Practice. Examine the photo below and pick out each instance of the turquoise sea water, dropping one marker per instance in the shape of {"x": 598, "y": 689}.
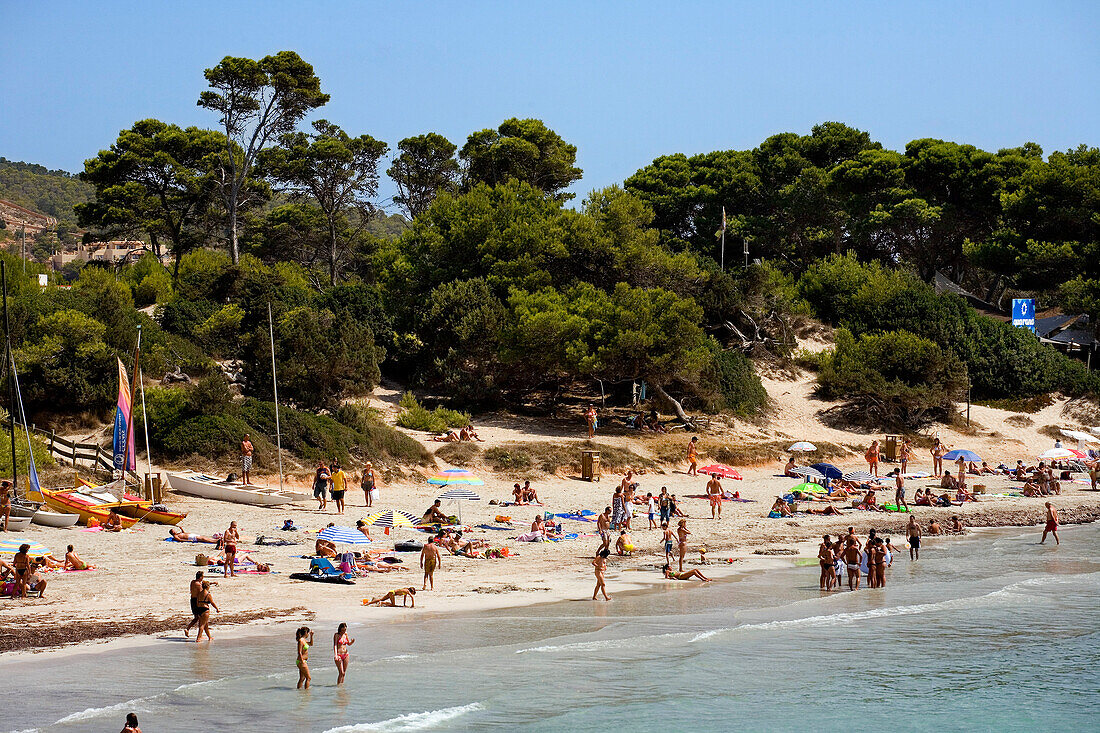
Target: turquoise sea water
{"x": 985, "y": 632}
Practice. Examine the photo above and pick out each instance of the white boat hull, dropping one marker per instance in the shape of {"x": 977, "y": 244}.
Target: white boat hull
{"x": 18, "y": 524}
{"x": 208, "y": 487}
{"x": 54, "y": 519}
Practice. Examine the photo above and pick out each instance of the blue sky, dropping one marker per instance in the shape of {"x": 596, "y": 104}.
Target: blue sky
{"x": 624, "y": 81}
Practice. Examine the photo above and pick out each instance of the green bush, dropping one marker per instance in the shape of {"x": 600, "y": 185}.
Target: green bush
{"x": 736, "y": 381}
{"x": 214, "y": 437}
{"x": 895, "y": 378}
{"x": 417, "y": 417}
{"x": 220, "y": 333}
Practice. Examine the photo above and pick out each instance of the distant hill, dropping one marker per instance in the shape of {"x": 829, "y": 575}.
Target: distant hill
{"x": 49, "y": 192}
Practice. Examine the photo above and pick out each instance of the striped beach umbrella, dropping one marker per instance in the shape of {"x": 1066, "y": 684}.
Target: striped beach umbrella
{"x": 857, "y": 476}
{"x": 344, "y": 535}
{"x": 10, "y": 547}
{"x": 807, "y": 472}
{"x": 454, "y": 476}
{"x": 391, "y": 518}
{"x": 459, "y": 494}
{"x": 720, "y": 469}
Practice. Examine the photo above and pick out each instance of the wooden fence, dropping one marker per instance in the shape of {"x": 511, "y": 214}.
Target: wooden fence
{"x": 87, "y": 455}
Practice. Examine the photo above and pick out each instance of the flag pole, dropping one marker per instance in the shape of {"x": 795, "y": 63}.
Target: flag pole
{"x": 11, "y": 381}
{"x": 144, "y": 418}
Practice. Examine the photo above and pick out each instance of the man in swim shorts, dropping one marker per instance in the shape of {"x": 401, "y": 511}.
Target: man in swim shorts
{"x": 899, "y": 490}
{"x": 1051, "y": 525}
{"x": 430, "y": 559}
{"x": 913, "y": 530}
{"x": 851, "y": 557}
{"x": 603, "y": 527}
{"x": 246, "y": 459}
{"x": 693, "y": 455}
{"x": 196, "y": 591}
{"x": 714, "y": 493}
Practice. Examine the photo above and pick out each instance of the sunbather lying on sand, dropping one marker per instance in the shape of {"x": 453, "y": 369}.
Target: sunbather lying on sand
{"x": 451, "y": 436}
{"x": 671, "y": 574}
{"x": 179, "y": 535}
{"x": 390, "y": 599}
{"x": 324, "y": 548}
{"x": 829, "y": 510}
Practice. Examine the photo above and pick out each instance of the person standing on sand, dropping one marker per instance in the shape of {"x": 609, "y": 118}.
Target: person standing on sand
{"x": 617, "y": 511}
{"x": 1051, "y": 525}
{"x": 899, "y": 490}
{"x": 246, "y": 460}
{"x": 603, "y": 527}
{"x": 663, "y": 505}
{"x": 714, "y": 494}
{"x": 5, "y": 502}
{"x": 913, "y": 530}
{"x": 430, "y": 559}
{"x": 205, "y": 602}
{"x": 599, "y": 565}
{"x": 368, "y": 484}
{"x": 872, "y": 456}
{"x": 938, "y": 451}
{"x": 682, "y": 535}
{"x": 196, "y": 592}
{"x": 339, "y": 486}
{"x": 341, "y": 652}
{"x": 693, "y": 456}
{"x": 303, "y": 639}
{"x": 590, "y": 420}
{"x": 651, "y": 509}
{"x": 906, "y": 455}
{"x": 320, "y": 484}
{"x": 229, "y": 549}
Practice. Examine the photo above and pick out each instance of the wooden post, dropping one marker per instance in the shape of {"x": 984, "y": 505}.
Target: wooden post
{"x": 158, "y": 492}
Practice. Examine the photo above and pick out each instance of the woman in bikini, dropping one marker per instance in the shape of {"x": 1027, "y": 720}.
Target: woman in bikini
{"x": 203, "y": 604}
{"x": 938, "y": 451}
{"x": 72, "y": 562}
{"x": 230, "y": 538}
{"x": 340, "y": 644}
{"x": 303, "y": 638}
{"x": 671, "y": 574}
{"x": 368, "y": 484}
{"x": 682, "y": 535}
{"x": 906, "y": 455}
{"x": 872, "y": 458}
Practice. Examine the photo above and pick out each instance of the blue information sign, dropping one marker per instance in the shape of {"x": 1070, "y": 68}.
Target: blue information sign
{"x": 1023, "y": 313}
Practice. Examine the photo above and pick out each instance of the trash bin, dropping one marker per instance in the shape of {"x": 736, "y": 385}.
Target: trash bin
{"x": 890, "y": 447}
{"x": 590, "y": 465}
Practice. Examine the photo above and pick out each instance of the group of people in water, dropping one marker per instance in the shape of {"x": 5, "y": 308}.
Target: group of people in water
{"x": 341, "y": 654}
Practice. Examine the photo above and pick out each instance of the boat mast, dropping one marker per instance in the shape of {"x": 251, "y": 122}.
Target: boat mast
{"x": 11, "y": 381}
{"x": 144, "y": 419}
{"x": 275, "y": 391}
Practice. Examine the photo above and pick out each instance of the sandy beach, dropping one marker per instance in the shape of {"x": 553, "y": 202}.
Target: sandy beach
{"x": 140, "y": 582}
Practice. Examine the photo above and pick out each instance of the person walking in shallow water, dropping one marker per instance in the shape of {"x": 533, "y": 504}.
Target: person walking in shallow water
{"x": 1051, "y": 525}
{"x": 913, "y": 530}
{"x": 303, "y": 639}
{"x": 599, "y": 565}
{"x": 341, "y": 651}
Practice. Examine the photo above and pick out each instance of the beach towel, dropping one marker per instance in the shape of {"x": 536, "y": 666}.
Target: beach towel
{"x": 489, "y": 526}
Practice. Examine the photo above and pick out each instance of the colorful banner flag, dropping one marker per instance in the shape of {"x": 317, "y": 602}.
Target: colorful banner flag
{"x": 124, "y": 430}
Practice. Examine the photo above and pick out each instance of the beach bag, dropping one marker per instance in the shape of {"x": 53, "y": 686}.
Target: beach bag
{"x": 202, "y": 560}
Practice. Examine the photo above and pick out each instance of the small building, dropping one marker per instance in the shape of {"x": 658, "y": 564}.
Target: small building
{"x": 113, "y": 252}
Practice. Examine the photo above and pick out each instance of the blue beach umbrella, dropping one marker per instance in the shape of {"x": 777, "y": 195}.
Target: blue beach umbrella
{"x": 955, "y": 455}
{"x": 344, "y": 535}
{"x": 828, "y": 470}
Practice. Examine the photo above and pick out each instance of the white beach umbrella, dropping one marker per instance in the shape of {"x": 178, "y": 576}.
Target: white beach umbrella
{"x": 1079, "y": 436}
{"x": 803, "y": 446}
{"x": 857, "y": 476}
{"x": 1057, "y": 454}
{"x": 807, "y": 472}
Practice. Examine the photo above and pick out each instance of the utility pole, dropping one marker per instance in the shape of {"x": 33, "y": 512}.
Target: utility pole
{"x": 745, "y": 244}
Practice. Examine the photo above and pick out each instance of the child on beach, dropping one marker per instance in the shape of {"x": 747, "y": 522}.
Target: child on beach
{"x": 599, "y": 565}
{"x": 651, "y": 508}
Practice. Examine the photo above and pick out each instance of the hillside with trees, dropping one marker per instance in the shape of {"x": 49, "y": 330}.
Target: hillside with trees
{"x": 493, "y": 289}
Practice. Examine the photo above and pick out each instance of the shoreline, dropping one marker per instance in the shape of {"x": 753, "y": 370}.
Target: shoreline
{"x": 628, "y": 575}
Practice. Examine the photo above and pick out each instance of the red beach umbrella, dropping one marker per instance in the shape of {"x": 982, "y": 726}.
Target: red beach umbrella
{"x": 720, "y": 469}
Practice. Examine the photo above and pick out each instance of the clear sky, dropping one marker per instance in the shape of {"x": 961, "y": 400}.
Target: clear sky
{"x": 624, "y": 81}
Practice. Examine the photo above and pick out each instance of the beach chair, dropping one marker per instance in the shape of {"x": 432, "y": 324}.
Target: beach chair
{"x": 324, "y": 567}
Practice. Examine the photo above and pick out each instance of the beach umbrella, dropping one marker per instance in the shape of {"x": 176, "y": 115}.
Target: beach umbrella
{"x": 459, "y": 494}
{"x": 803, "y": 447}
{"x": 857, "y": 476}
{"x": 454, "y": 476}
{"x": 828, "y": 470}
{"x": 810, "y": 488}
{"x": 391, "y": 518}
{"x": 807, "y": 472}
{"x": 10, "y": 547}
{"x": 958, "y": 453}
{"x": 1057, "y": 454}
{"x": 343, "y": 535}
{"x": 720, "y": 469}
{"x": 1079, "y": 436}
